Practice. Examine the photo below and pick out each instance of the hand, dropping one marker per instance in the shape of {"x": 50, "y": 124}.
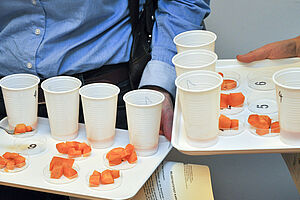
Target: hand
{"x": 166, "y": 113}
{"x": 276, "y": 50}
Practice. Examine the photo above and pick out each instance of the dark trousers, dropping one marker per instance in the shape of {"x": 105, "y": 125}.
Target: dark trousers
{"x": 115, "y": 74}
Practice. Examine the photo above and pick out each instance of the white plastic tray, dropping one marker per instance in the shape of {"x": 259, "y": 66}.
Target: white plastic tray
{"x": 32, "y": 177}
{"x": 245, "y": 142}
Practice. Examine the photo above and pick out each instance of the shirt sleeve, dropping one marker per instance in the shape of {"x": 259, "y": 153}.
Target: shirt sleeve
{"x": 172, "y": 17}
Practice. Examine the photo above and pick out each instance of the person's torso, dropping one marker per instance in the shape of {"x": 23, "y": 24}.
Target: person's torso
{"x": 54, "y": 37}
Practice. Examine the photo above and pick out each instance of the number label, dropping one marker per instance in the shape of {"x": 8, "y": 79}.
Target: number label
{"x": 260, "y": 83}
{"x": 262, "y": 106}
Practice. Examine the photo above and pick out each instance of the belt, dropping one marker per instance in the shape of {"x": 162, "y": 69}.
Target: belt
{"x": 113, "y": 74}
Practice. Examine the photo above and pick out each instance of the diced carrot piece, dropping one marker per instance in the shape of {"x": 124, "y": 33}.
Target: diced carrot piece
{"x": 20, "y": 128}
{"x": 119, "y": 150}
{"x": 70, "y": 173}
{"x": 129, "y": 149}
{"x": 228, "y": 84}
{"x": 266, "y": 118}
{"x": 132, "y": 158}
{"x": 275, "y": 128}
{"x": 57, "y": 171}
{"x": 62, "y": 147}
{"x": 56, "y": 161}
{"x": 253, "y": 120}
{"x": 28, "y": 128}
{"x": 114, "y": 159}
{"x": 224, "y": 122}
{"x": 262, "y": 131}
{"x": 3, "y": 162}
{"x": 96, "y": 173}
{"x": 10, "y": 164}
{"x": 72, "y": 144}
{"x": 73, "y": 153}
{"x": 224, "y": 101}
{"x": 68, "y": 162}
{"x": 8, "y": 155}
{"x": 94, "y": 181}
{"x": 236, "y": 99}
{"x": 106, "y": 177}
{"x": 264, "y": 122}
{"x": 19, "y": 161}
{"x": 221, "y": 74}
{"x": 82, "y": 145}
{"x": 86, "y": 151}
{"x": 234, "y": 124}
{"x": 115, "y": 173}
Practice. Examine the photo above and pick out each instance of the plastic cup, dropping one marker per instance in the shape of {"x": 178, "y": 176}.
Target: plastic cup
{"x": 195, "y": 39}
{"x": 194, "y": 60}
{"x": 199, "y": 96}
{"x": 143, "y": 109}
{"x": 99, "y": 101}
{"x": 20, "y": 93}
{"x": 62, "y": 102}
{"x": 287, "y": 82}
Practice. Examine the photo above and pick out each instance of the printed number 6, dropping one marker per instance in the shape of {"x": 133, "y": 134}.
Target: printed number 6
{"x": 260, "y": 83}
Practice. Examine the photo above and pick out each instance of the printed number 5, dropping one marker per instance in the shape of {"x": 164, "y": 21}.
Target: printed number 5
{"x": 264, "y": 106}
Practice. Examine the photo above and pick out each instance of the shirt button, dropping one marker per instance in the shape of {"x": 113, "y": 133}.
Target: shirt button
{"x": 33, "y": 2}
{"x": 37, "y": 31}
{"x": 29, "y": 65}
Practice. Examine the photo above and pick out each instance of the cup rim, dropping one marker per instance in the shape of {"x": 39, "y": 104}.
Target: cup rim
{"x": 19, "y": 74}
{"x": 98, "y": 84}
{"x": 196, "y": 72}
{"x": 276, "y": 74}
{"x": 194, "y": 31}
{"x": 195, "y": 51}
{"x": 141, "y": 90}
{"x": 60, "y": 77}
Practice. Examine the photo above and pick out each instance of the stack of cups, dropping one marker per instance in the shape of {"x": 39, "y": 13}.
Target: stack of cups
{"x": 62, "y": 101}
{"x": 99, "y": 101}
{"x": 199, "y": 96}
{"x": 20, "y": 93}
{"x": 143, "y": 109}
{"x": 195, "y": 51}
{"x": 287, "y": 82}
{"x": 198, "y": 86}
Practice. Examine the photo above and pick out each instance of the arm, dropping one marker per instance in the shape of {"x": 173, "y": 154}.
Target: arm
{"x": 172, "y": 18}
{"x": 276, "y": 50}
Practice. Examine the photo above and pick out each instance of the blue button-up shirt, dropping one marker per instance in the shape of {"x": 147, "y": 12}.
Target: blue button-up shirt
{"x": 54, "y": 37}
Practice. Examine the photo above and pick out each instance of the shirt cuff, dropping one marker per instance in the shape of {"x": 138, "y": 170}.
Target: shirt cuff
{"x": 161, "y": 74}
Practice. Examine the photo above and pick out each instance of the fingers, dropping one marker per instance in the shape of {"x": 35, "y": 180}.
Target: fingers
{"x": 258, "y": 54}
{"x": 167, "y": 118}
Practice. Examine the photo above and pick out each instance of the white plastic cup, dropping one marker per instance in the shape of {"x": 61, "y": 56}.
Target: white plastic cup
{"x": 195, "y": 39}
{"x": 143, "y": 109}
{"x": 199, "y": 96}
{"x": 20, "y": 93}
{"x": 200, "y": 59}
{"x": 62, "y": 101}
{"x": 99, "y": 102}
{"x": 287, "y": 82}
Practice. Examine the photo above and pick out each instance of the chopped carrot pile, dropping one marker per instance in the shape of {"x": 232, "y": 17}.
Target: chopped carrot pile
{"x": 228, "y": 84}
{"x": 74, "y": 149}
{"x": 225, "y": 123}
{"x": 118, "y": 155}
{"x": 105, "y": 177}
{"x": 232, "y": 100}
{"x": 262, "y": 124}
{"x": 22, "y": 128}
{"x": 62, "y": 166}
{"x": 10, "y": 161}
